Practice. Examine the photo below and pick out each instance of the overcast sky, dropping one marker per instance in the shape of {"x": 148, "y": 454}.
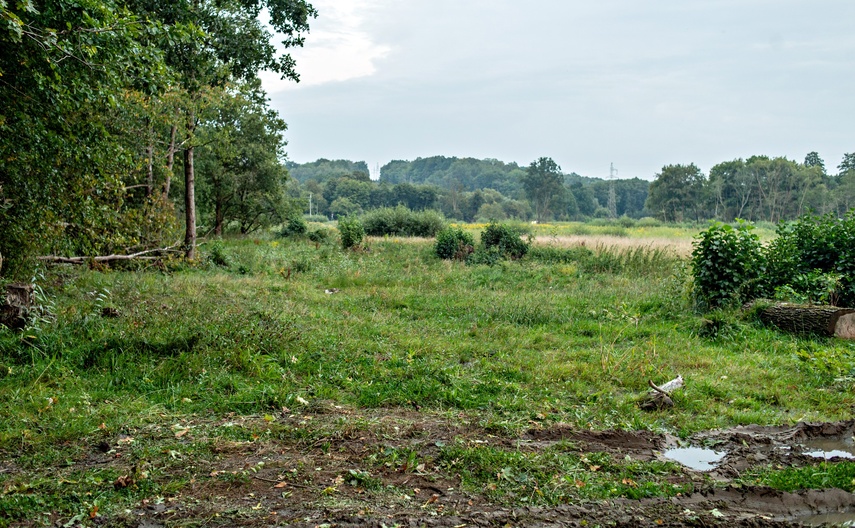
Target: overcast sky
{"x": 638, "y": 83}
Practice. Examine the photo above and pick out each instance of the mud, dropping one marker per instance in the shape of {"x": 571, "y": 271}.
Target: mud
{"x": 317, "y": 483}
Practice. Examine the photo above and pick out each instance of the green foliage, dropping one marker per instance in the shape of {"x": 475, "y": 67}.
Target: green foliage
{"x": 319, "y": 235}
{"x": 295, "y": 226}
{"x": 217, "y": 254}
{"x": 401, "y": 221}
{"x": 727, "y": 264}
{"x": 506, "y": 239}
{"x": 544, "y": 184}
{"x": 453, "y": 243}
{"x": 352, "y": 232}
{"x": 813, "y": 259}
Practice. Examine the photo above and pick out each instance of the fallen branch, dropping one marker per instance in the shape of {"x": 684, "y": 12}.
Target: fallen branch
{"x": 142, "y": 255}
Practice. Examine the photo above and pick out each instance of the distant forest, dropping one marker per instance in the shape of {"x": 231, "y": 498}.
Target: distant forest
{"x": 757, "y": 189}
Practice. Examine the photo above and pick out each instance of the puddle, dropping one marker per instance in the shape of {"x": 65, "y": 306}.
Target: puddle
{"x": 828, "y": 519}
{"x": 697, "y": 458}
{"x": 830, "y": 448}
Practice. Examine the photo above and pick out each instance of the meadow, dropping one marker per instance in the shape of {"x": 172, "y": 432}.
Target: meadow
{"x": 172, "y": 375}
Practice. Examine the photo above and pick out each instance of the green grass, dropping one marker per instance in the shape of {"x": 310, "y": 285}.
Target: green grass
{"x": 562, "y": 336}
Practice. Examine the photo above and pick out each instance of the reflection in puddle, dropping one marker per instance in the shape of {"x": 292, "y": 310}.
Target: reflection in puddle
{"x": 830, "y": 448}
{"x": 828, "y": 519}
{"x": 697, "y": 458}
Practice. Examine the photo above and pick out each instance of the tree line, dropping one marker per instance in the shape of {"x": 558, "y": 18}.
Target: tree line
{"x": 117, "y": 115}
{"x": 757, "y": 189}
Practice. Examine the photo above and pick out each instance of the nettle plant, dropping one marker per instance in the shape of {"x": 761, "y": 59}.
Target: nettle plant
{"x": 727, "y": 265}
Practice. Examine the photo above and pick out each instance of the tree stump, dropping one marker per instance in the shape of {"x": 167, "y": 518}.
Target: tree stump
{"x": 809, "y": 319}
{"x": 16, "y": 308}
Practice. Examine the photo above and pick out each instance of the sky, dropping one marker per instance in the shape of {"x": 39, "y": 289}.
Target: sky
{"x": 640, "y": 84}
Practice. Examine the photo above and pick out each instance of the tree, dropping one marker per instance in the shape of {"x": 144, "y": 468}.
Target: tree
{"x": 847, "y": 164}
{"x": 227, "y": 42}
{"x": 813, "y": 160}
{"x": 543, "y": 181}
{"x": 675, "y": 195}
{"x": 243, "y": 175}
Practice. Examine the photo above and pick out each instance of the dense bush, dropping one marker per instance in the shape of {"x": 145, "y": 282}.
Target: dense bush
{"x": 400, "y": 221}
{"x": 727, "y": 263}
{"x": 506, "y": 238}
{"x": 453, "y": 243}
{"x": 813, "y": 259}
{"x": 295, "y": 226}
{"x": 319, "y": 235}
{"x": 352, "y": 232}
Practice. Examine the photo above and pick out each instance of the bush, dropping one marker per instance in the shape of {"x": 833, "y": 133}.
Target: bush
{"x": 506, "y": 239}
{"x": 217, "y": 254}
{"x": 295, "y": 226}
{"x": 400, "y": 221}
{"x": 319, "y": 235}
{"x": 813, "y": 259}
{"x": 727, "y": 263}
{"x": 318, "y": 218}
{"x": 351, "y": 231}
{"x": 453, "y": 243}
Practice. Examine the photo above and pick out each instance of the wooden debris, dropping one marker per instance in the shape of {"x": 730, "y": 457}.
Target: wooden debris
{"x": 16, "y": 307}
{"x": 810, "y": 319}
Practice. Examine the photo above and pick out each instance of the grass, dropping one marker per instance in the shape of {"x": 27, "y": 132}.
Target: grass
{"x": 566, "y": 335}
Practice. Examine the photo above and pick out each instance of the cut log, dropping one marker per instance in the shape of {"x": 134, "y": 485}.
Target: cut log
{"x": 16, "y": 307}
{"x": 809, "y": 319}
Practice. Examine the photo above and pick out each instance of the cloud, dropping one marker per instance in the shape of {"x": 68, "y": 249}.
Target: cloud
{"x": 338, "y": 47}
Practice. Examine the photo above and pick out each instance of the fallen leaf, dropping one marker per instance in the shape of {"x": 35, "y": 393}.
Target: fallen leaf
{"x": 433, "y": 498}
{"x": 181, "y": 433}
{"x": 280, "y": 484}
{"x": 594, "y": 468}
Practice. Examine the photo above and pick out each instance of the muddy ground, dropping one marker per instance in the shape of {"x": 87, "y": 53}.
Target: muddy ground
{"x": 255, "y": 483}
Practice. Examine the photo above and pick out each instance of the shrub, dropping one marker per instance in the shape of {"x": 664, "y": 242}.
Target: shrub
{"x": 217, "y": 254}
{"x": 453, "y": 243}
{"x": 351, "y": 231}
{"x": 400, "y": 221}
{"x": 295, "y": 226}
{"x": 727, "y": 263}
{"x": 319, "y": 235}
{"x": 814, "y": 258}
{"x": 506, "y": 239}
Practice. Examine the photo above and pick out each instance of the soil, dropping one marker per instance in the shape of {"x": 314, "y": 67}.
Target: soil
{"x": 303, "y": 483}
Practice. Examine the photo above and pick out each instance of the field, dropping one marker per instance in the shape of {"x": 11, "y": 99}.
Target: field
{"x": 287, "y": 382}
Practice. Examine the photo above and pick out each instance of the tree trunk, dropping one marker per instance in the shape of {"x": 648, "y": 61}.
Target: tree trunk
{"x": 16, "y": 307}
{"x": 807, "y": 319}
{"x": 219, "y": 215}
{"x": 189, "y": 192}
{"x": 149, "y": 170}
{"x": 170, "y": 161}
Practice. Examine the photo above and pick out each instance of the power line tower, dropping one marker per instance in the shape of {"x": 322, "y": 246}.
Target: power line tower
{"x": 612, "y": 195}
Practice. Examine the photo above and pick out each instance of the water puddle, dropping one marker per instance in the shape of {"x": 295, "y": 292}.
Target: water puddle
{"x": 697, "y": 458}
{"x": 845, "y": 520}
{"x": 830, "y": 448}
